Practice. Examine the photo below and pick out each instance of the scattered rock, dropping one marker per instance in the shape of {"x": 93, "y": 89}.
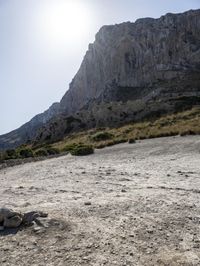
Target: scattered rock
{"x": 9, "y": 218}
{"x": 87, "y": 203}
{"x": 34, "y": 216}
{"x": 12, "y": 219}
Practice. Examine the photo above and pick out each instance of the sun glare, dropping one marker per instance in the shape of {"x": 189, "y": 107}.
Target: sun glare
{"x": 64, "y": 22}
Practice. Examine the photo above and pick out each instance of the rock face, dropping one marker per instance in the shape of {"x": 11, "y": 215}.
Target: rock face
{"x": 127, "y": 61}
{"x": 131, "y": 71}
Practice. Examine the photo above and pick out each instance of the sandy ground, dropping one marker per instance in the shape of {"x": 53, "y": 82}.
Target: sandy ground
{"x": 130, "y": 204}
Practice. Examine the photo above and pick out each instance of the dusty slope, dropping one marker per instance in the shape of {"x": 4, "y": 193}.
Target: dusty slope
{"x": 145, "y": 206}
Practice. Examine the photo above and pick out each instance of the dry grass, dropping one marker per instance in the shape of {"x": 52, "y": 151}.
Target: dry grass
{"x": 184, "y": 123}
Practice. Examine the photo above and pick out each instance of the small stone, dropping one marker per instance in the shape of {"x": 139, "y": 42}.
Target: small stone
{"x": 87, "y": 203}
{"x": 150, "y": 231}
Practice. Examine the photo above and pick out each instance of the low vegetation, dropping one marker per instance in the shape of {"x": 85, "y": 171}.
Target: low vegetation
{"x": 26, "y": 153}
{"x": 131, "y": 140}
{"x": 81, "y": 150}
{"x": 83, "y": 143}
{"x": 41, "y": 153}
{"x": 99, "y": 136}
{"x": 183, "y": 123}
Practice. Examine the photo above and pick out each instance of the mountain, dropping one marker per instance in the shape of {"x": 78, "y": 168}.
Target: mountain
{"x": 28, "y": 131}
{"x": 132, "y": 71}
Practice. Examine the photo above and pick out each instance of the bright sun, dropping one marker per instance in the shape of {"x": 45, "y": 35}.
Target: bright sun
{"x": 64, "y": 22}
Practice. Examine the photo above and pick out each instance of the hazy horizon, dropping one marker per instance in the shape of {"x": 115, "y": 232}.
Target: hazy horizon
{"x": 44, "y": 41}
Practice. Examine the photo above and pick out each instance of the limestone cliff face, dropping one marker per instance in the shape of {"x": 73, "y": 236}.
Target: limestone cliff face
{"x": 131, "y": 71}
{"x": 128, "y": 60}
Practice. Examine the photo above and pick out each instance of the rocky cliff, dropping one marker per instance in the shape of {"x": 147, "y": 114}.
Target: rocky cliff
{"x": 127, "y": 60}
{"x": 131, "y": 71}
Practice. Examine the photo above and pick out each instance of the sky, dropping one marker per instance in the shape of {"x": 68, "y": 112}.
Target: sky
{"x": 42, "y": 44}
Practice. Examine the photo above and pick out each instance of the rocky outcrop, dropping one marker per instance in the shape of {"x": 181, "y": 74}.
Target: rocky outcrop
{"x": 131, "y": 71}
{"x": 128, "y": 61}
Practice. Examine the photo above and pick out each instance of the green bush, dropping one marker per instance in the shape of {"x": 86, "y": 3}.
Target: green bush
{"x": 41, "y": 153}
{"x": 26, "y": 153}
{"x": 99, "y": 136}
{"x": 81, "y": 150}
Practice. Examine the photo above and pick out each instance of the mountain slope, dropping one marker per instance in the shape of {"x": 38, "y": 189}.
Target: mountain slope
{"x": 131, "y": 71}
{"x": 28, "y": 131}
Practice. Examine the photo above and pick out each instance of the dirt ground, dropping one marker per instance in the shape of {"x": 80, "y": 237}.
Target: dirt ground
{"x": 130, "y": 204}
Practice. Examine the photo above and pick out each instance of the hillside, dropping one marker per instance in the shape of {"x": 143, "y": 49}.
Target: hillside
{"x": 179, "y": 124}
{"x": 132, "y": 71}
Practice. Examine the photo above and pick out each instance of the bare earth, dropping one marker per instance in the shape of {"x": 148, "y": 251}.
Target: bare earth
{"x": 130, "y": 204}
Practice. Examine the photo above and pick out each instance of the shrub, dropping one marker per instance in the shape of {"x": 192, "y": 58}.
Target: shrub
{"x": 118, "y": 141}
{"x": 2, "y": 156}
{"x": 131, "y": 140}
{"x": 11, "y": 154}
{"x": 102, "y": 136}
{"x": 115, "y": 141}
{"x": 70, "y": 147}
{"x": 41, "y": 152}
{"x": 26, "y": 153}
{"x": 187, "y": 132}
{"x": 110, "y": 143}
{"x": 81, "y": 150}
{"x": 100, "y": 146}
{"x": 52, "y": 151}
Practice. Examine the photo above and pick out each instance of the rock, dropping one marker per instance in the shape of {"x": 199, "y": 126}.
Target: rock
{"x": 13, "y": 222}
{"x": 12, "y": 219}
{"x": 34, "y": 216}
{"x": 87, "y": 203}
{"x": 9, "y": 218}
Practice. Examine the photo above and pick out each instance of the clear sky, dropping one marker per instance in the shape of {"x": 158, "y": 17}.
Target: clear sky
{"x": 42, "y": 43}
